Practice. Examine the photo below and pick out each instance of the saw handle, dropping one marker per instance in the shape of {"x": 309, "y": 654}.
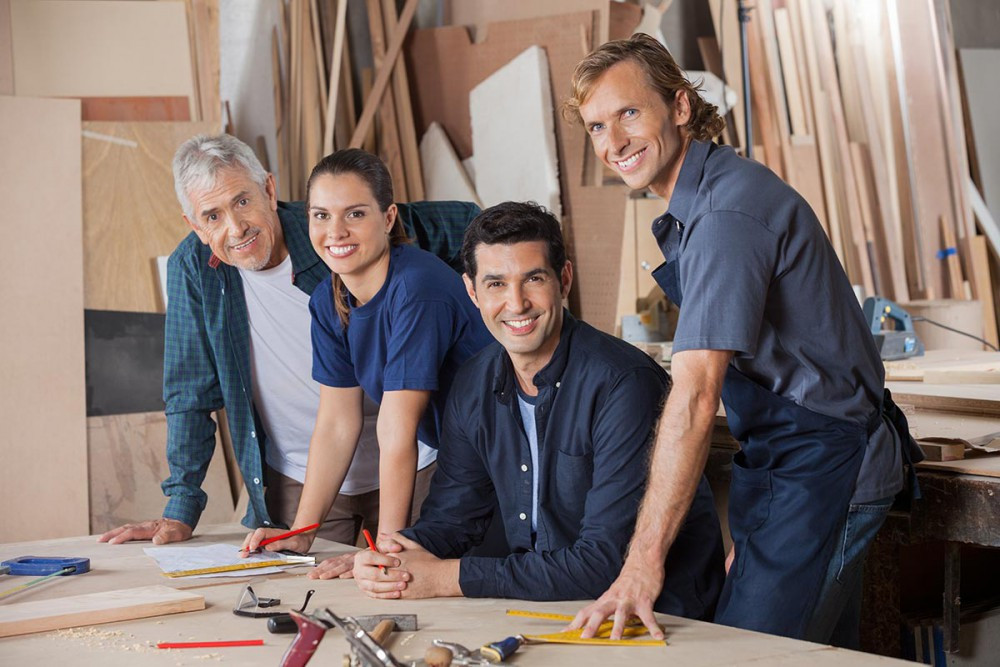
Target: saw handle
{"x": 304, "y": 645}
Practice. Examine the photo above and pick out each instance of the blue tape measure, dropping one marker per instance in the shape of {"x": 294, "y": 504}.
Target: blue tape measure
{"x": 40, "y": 566}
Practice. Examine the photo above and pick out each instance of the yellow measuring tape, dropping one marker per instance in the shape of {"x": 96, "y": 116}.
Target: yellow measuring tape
{"x": 633, "y": 628}
{"x": 228, "y": 568}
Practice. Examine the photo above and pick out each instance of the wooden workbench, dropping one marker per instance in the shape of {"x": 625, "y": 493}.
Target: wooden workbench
{"x": 468, "y": 621}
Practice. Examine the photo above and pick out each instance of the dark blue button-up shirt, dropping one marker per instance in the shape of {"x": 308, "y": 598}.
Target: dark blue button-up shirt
{"x": 598, "y": 400}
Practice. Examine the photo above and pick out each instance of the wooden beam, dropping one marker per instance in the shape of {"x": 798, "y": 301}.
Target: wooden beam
{"x": 336, "y": 70}
{"x": 382, "y": 78}
{"x": 404, "y": 113}
{"x": 387, "y": 130}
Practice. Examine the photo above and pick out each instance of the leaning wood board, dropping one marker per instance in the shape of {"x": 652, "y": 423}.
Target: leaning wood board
{"x": 95, "y": 608}
{"x": 101, "y": 49}
{"x": 130, "y": 212}
{"x": 43, "y": 442}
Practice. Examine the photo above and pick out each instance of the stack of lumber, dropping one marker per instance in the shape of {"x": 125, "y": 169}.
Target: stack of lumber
{"x": 315, "y": 110}
{"x": 858, "y": 105}
{"x": 947, "y": 367}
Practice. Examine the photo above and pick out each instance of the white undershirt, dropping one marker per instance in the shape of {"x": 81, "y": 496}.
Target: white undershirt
{"x": 284, "y": 392}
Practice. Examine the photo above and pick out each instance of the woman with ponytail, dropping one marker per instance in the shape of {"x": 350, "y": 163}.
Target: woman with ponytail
{"x": 393, "y": 322}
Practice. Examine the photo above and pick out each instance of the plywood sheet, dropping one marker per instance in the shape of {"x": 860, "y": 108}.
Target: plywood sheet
{"x": 127, "y": 455}
{"x": 130, "y": 212}
{"x": 135, "y": 108}
{"x": 79, "y": 48}
{"x": 42, "y": 615}
{"x": 513, "y": 134}
{"x": 444, "y": 176}
{"x": 43, "y": 442}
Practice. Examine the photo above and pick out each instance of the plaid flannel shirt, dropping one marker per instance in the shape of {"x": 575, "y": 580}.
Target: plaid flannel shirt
{"x": 206, "y": 363}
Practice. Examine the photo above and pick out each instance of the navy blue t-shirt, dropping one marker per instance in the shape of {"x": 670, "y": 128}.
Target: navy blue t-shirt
{"x": 413, "y": 334}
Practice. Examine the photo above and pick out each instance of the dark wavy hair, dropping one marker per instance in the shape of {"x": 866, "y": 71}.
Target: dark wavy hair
{"x": 372, "y": 171}
{"x": 513, "y": 222}
{"x": 664, "y": 76}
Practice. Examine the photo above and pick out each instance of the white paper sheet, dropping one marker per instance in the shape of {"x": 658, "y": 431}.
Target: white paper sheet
{"x": 178, "y": 558}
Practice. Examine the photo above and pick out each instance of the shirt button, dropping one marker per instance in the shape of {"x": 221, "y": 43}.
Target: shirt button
{"x": 267, "y": 523}
{"x": 524, "y": 467}
{"x": 253, "y": 434}
{"x": 522, "y": 516}
{"x": 256, "y": 480}
{"x": 558, "y": 384}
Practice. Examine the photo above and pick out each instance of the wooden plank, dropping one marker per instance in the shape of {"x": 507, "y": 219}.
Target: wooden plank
{"x": 762, "y": 101}
{"x": 280, "y": 116}
{"x": 311, "y": 147}
{"x": 404, "y": 112}
{"x": 790, "y": 73}
{"x": 336, "y": 70}
{"x": 374, "y": 98}
{"x": 877, "y": 246}
{"x": 127, "y": 178}
{"x": 76, "y": 48}
{"x": 43, "y": 443}
{"x": 979, "y": 70}
{"x": 981, "y": 286}
{"x": 478, "y": 15}
{"x": 135, "y": 108}
{"x": 627, "y": 292}
{"x": 127, "y": 460}
{"x": 966, "y": 316}
{"x": 949, "y": 246}
{"x": 6, "y": 57}
{"x": 711, "y": 58}
{"x": 959, "y": 376}
{"x": 727, "y": 34}
{"x": 914, "y": 43}
{"x": 206, "y": 45}
{"x": 942, "y": 451}
{"x": 804, "y": 175}
{"x": 387, "y": 128}
{"x": 95, "y": 608}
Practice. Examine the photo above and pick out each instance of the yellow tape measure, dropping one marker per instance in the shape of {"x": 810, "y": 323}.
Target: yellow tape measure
{"x": 228, "y": 568}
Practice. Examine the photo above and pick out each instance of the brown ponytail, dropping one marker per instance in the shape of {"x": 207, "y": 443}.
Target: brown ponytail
{"x": 372, "y": 171}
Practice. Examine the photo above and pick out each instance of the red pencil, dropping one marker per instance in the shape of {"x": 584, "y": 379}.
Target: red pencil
{"x": 239, "y": 642}
{"x": 371, "y": 545}
{"x": 283, "y": 536}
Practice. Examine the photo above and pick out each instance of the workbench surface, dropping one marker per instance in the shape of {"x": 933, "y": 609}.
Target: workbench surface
{"x": 468, "y": 621}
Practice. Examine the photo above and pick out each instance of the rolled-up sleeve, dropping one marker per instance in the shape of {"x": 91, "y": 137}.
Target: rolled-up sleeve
{"x": 191, "y": 392}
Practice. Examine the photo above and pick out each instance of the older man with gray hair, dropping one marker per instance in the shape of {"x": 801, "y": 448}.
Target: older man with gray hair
{"x": 238, "y": 336}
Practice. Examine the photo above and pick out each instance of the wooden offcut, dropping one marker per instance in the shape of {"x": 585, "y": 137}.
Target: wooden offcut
{"x": 43, "y": 442}
{"x": 130, "y": 211}
{"x": 95, "y": 608}
{"x": 135, "y": 108}
{"x": 444, "y": 176}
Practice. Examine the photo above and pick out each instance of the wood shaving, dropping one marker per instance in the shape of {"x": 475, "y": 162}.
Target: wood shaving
{"x": 93, "y": 637}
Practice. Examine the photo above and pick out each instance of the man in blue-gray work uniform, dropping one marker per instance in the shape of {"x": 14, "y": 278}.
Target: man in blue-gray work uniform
{"x": 768, "y": 321}
{"x": 238, "y": 336}
{"x": 554, "y": 424}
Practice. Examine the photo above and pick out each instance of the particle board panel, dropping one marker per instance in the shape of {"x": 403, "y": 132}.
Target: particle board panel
{"x": 444, "y": 176}
{"x": 127, "y": 456}
{"x": 42, "y": 615}
{"x": 135, "y": 108}
{"x": 130, "y": 212}
{"x": 101, "y": 48}
{"x": 513, "y": 134}
{"x": 43, "y": 443}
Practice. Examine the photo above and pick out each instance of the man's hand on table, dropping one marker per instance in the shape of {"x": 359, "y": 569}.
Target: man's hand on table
{"x": 412, "y": 572}
{"x": 632, "y": 594}
{"x": 160, "y": 531}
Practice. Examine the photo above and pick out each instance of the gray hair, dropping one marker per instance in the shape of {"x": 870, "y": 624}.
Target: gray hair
{"x": 199, "y": 158}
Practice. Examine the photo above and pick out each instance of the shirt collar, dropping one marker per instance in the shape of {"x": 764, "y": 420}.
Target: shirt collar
{"x": 549, "y": 375}
{"x": 682, "y": 198}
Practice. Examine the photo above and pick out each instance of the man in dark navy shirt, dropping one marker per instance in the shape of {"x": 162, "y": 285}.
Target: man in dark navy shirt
{"x": 554, "y": 425}
{"x": 768, "y": 321}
